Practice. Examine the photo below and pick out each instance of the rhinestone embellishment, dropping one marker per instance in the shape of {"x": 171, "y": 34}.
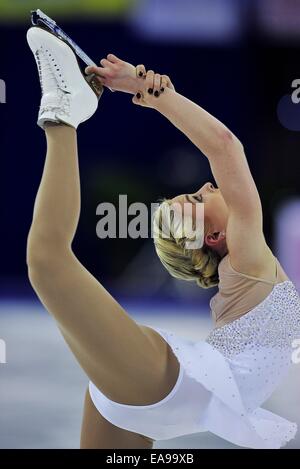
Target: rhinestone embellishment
{"x": 274, "y": 323}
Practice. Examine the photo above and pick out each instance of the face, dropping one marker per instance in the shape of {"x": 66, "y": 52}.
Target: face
{"x": 215, "y": 210}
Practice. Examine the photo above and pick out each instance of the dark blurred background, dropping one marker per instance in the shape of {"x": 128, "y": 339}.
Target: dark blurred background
{"x": 237, "y": 59}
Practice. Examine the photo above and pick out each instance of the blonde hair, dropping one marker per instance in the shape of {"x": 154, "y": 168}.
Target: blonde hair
{"x": 199, "y": 265}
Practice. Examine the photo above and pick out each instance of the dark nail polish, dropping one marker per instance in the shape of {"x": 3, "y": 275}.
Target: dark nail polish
{"x": 150, "y": 90}
{"x": 156, "y": 93}
{"x": 138, "y": 95}
{"x": 162, "y": 90}
{"x": 140, "y": 74}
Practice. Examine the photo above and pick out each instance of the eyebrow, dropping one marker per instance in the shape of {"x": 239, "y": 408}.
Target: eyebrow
{"x": 189, "y": 199}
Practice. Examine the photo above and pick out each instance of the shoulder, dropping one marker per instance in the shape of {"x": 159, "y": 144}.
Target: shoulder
{"x": 262, "y": 265}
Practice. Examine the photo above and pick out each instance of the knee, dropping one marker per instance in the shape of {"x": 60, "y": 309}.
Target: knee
{"x": 43, "y": 257}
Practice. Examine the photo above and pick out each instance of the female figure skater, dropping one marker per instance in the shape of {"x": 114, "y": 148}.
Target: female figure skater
{"x": 145, "y": 383}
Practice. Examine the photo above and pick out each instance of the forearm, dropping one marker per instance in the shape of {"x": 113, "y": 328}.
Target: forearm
{"x": 223, "y": 149}
{"x": 205, "y": 131}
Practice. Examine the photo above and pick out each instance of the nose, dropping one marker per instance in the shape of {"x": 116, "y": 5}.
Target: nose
{"x": 209, "y": 187}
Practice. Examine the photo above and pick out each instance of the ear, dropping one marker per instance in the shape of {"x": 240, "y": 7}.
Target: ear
{"x": 213, "y": 239}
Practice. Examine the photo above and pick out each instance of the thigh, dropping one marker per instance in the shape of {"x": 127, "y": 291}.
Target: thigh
{"x": 97, "y": 432}
{"x": 114, "y": 351}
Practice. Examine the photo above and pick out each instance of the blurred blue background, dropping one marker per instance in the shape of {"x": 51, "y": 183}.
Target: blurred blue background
{"x": 237, "y": 59}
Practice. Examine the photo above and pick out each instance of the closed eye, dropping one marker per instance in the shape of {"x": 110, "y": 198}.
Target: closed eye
{"x": 191, "y": 199}
{"x": 198, "y": 197}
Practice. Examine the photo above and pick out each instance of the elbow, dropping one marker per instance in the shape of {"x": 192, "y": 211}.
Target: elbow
{"x": 224, "y": 143}
{"x": 229, "y": 141}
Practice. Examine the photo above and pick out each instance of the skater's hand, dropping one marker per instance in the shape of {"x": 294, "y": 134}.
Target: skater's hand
{"x": 122, "y": 76}
{"x": 116, "y": 74}
{"x": 151, "y": 87}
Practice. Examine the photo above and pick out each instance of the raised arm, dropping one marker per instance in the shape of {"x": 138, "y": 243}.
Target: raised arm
{"x": 244, "y": 234}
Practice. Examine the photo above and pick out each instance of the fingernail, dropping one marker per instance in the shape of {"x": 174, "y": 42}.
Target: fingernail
{"x": 150, "y": 90}
{"x": 138, "y": 95}
{"x": 156, "y": 93}
{"x": 162, "y": 90}
{"x": 141, "y": 74}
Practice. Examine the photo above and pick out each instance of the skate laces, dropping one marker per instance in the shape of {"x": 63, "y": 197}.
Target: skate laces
{"x": 54, "y": 98}
{"x": 47, "y": 76}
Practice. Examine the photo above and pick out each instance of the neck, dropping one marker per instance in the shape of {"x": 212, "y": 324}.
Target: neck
{"x": 222, "y": 250}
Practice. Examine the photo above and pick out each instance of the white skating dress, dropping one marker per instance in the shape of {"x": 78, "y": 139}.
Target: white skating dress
{"x": 224, "y": 380}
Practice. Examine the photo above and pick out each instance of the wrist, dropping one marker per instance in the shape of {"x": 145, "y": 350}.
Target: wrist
{"x": 159, "y": 103}
{"x": 135, "y": 82}
{"x": 132, "y": 86}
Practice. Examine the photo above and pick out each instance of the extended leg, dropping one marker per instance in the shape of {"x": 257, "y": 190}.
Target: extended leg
{"x": 113, "y": 350}
{"x": 127, "y": 362}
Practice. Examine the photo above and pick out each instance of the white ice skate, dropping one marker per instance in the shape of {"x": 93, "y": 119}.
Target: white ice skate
{"x": 67, "y": 96}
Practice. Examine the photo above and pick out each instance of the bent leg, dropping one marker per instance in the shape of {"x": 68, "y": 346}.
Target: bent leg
{"x": 97, "y": 432}
{"x": 113, "y": 350}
